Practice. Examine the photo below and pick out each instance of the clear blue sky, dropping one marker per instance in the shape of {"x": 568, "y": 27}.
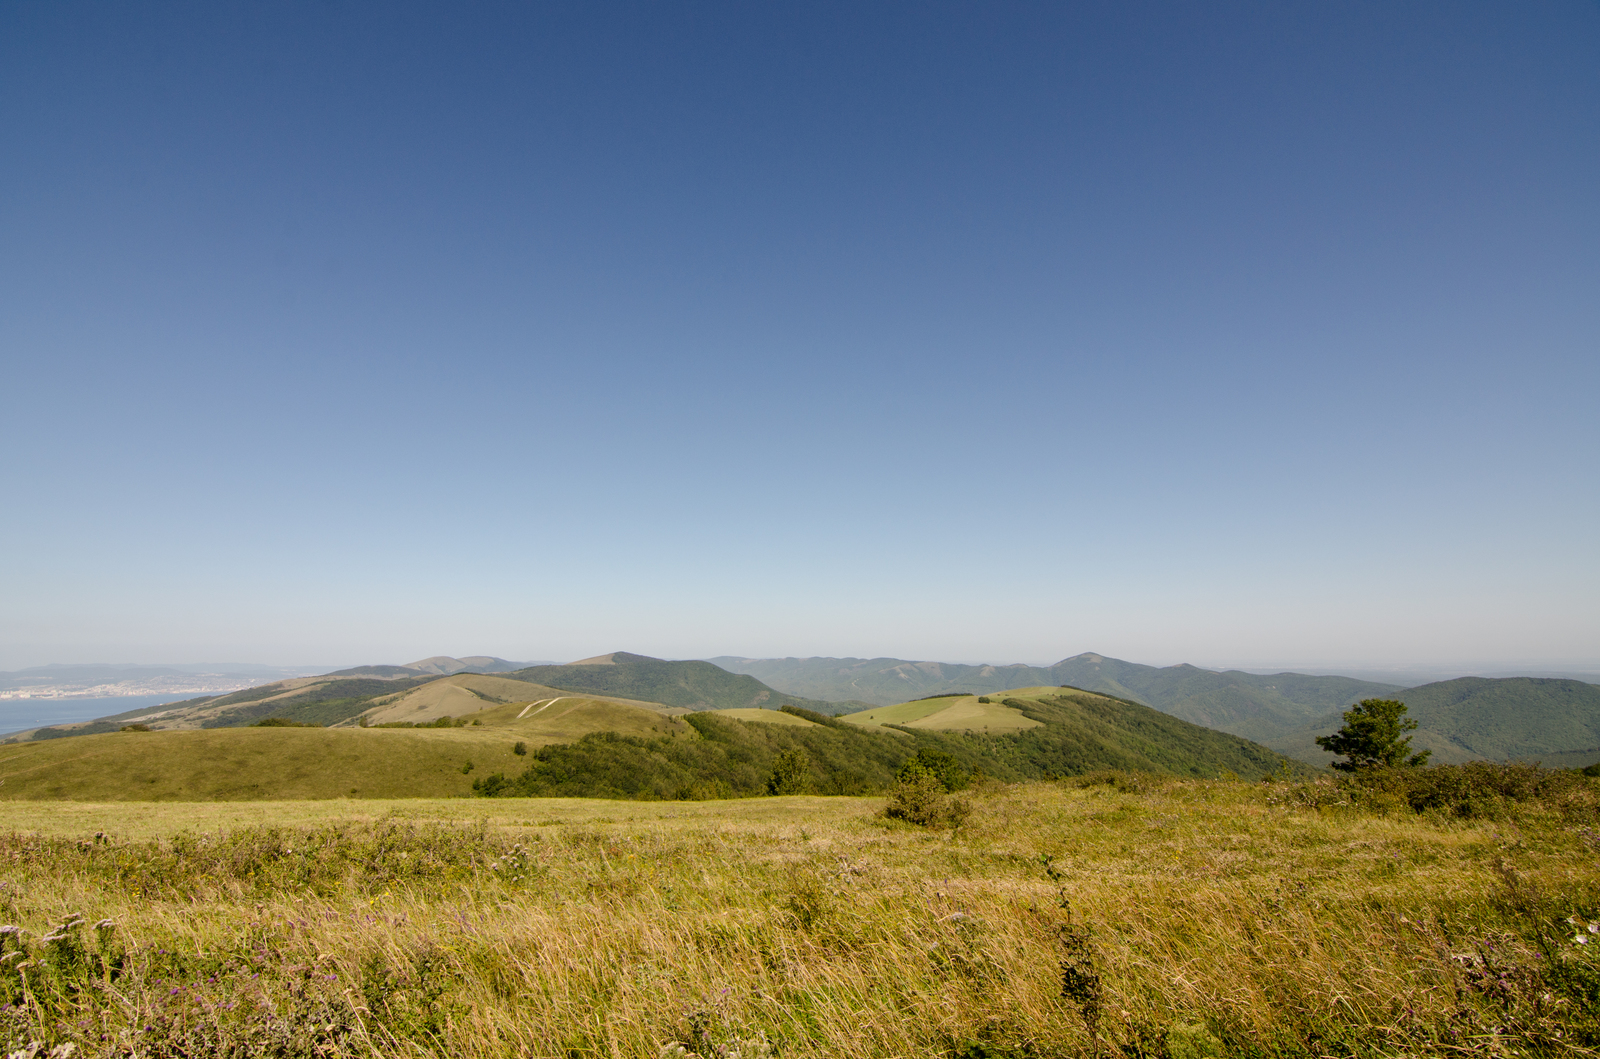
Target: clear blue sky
{"x": 1224, "y": 333}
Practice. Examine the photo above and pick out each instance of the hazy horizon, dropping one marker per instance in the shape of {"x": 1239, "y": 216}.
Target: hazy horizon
{"x": 1580, "y": 667}
{"x": 1179, "y": 333}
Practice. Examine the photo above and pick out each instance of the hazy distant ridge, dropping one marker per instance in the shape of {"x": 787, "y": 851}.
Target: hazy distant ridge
{"x": 1555, "y": 720}
{"x": 1249, "y": 704}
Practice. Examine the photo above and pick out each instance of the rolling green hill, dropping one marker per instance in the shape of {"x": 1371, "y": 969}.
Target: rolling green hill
{"x": 589, "y": 745}
{"x": 1083, "y": 731}
{"x": 231, "y": 764}
{"x": 254, "y": 764}
{"x": 415, "y": 693}
{"x": 1249, "y": 704}
{"x": 469, "y": 695}
{"x": 693, "y": 685}
{"x": 1069, "y": 732}
{"x": 1473, "y": 718}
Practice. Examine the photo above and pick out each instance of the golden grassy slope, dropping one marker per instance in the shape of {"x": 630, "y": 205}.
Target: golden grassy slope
{"x": 1141, "y": 918}
{"x": 453, "y": 696}
{"x": 143, "y": 821}
{"x": 566, "y": 718}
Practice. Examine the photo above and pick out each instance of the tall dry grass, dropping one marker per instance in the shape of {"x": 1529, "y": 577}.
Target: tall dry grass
{"x": 1134, "y": 918}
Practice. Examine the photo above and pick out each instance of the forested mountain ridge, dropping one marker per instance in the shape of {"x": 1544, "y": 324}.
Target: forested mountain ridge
{"x": 1253, "y": 705}
{"x": 690, "y": 684}
{"x": 1472, "y": 718}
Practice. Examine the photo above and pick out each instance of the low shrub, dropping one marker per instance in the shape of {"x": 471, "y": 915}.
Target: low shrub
{"x": 921, "y": 799}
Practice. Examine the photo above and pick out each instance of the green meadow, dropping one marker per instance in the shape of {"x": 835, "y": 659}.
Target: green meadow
{"x": 957, "y": 713}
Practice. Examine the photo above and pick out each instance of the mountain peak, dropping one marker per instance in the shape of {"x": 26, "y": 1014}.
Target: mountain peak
{"x": 614, "y": 658}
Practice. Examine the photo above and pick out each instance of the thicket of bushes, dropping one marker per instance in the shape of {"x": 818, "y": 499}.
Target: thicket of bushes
{"x": 731, "y": 759}
{"x": 1478, "y": 789}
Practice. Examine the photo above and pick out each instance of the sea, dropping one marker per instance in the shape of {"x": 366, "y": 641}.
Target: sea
{"x": 18, "y": 715}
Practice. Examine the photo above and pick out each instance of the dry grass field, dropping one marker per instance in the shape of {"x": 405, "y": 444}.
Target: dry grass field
{"x": 1112, "y": 916}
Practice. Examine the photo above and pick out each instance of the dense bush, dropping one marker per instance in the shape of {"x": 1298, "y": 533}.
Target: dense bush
{"x": 729, "y": 759}
{"x": 791, "y": 773}
{"x": 943, "y": 766}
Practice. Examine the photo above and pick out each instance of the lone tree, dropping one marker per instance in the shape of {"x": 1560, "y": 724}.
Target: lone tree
{"x": 1371, "y": 737}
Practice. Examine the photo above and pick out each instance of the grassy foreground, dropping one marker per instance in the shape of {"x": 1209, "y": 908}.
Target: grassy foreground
{"x": 1116, "y": 916}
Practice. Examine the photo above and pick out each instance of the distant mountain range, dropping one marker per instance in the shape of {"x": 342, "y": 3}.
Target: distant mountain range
{"x": 438, "y": 666}
{"x": 1557, "y": 720}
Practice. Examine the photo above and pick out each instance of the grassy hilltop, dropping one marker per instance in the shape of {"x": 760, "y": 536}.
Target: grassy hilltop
{"x": 283, "y": 763}
{"x": 1117, "y": 915}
